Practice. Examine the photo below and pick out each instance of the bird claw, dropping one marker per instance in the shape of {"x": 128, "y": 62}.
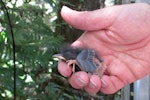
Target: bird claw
{"x": 71, "y": 62}
{"x": 100, "y": 70}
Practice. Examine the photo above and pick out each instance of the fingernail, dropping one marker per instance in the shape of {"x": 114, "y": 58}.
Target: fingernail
{"x": 103, "y": 83}
{"x": 65, "y": 10}
{"x": 80, "y": 82}
{"x": 92, "y": 84}
{"x": 65, "y": 7}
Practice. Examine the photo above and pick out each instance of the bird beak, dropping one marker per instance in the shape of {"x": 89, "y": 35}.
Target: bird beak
{"x": 59, "y": 56}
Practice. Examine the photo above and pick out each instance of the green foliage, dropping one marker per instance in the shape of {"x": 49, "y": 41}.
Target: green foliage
{"x": 35, "y": 43}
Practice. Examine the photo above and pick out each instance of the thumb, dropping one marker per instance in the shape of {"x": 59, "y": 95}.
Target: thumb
{"x": 89, "y": 20}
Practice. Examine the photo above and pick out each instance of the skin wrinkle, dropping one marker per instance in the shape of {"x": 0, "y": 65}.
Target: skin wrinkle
{"x": 125, "y": 64}
{"x": 117, "y": 38}
{"x": 116, "y": 85}
{"x": 111, "y": 86}
{"x": 132, "y": 73}
{"x": 139, "y": 62}
{"x": 112, "y": 18}
{"x": 113, "y": 38}
{"x": 144, "y": 40}
{"x": 131, "y": 47}
{"x": 137, "y": 45}
{"x": 135, "y": 55}
{"x": 128, "y": 28}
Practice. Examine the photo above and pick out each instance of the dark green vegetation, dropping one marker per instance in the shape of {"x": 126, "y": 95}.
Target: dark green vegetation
{"x": 38, "y": 33}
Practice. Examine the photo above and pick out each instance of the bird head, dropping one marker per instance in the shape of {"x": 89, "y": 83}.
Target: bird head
{"x": 68, "y": 53}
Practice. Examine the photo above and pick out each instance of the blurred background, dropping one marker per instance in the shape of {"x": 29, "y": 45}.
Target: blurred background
{"x": 31, "y": 31}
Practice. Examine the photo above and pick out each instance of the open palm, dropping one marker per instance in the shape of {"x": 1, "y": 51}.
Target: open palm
{"x": 121, "y": 36}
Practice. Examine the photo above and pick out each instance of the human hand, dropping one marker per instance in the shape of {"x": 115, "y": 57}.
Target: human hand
{"x": 121, "y": 36}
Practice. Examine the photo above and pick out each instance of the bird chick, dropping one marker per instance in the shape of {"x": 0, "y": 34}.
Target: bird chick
{"x": 86, "y": 59}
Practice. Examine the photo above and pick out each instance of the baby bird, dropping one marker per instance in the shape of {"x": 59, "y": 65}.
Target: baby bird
{"x": 86, "y": 59}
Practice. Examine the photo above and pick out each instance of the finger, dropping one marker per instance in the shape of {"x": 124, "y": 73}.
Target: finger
{"x": 79, "y": 80}
{"x": 94, "y": 85}
{"x": 111, "y": 84}
{"x": 64, "y": 69}
{"x": 77, "y": 44}
{"x": 90, "y": 20}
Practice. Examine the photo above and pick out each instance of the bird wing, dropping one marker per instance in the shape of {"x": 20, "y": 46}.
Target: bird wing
{"x": 86, "y": 60}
